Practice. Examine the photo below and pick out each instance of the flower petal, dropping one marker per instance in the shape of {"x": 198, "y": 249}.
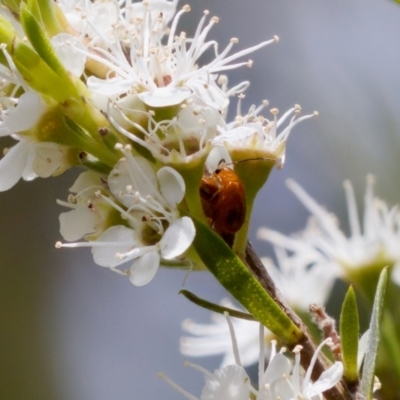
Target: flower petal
{"x": 217, "y": 154}
{"x": 327, "y": 380}
{"x": 28, "y": 111}
{"x": 172, "y": 185}
{"x": 66, "y": 47}
{"x": 209, "y": 93}
{"x": 109, "y": 87}
{"x": 77, "y": 223}
{"x": 277, "y": 368}
{"x": 135, "y": 173}
{"x": 13, "y": 164}
{"x": 177, "y": 238}
{"x": 164, "y": 97}
{"x": 85, "y": 180}
{"x": 117, "y": 239}
{"x": 145, "y": 268}
{"x": 228, "y": 383}
{"x": 49, "y": 159}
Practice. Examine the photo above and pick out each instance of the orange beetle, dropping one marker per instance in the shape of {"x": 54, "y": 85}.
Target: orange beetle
{"x": 224, "y": 201}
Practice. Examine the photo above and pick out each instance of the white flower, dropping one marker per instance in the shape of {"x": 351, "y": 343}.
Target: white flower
{"x": 153, "y": 233}
{"x": 28, "y": 158}
{"x": 230, "y": 383}
{"x": 90, "y": 214}
{"x": 255, "y": 133}
{"x": 178, "y": 141}
{"x": 83, "y": 15}
{"x": 136, "y": 71}
{"x": 215, "y": 338}
{"x": 163, "y": 74}
{"x": 373, "y": 245}
{"x": 300, "y": 282}
{"x": 279, "y": 380}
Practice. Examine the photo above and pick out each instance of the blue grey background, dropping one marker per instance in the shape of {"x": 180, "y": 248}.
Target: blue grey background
{"x": 71, "y": 330}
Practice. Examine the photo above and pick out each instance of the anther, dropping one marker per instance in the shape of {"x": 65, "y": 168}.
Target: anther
{"x": 297, "y": 349}
{"x": 274, "y": 111}
{"x": 222, "y": 79}
{"x": 58, "y": 245}
{"x": 129, "y": 188}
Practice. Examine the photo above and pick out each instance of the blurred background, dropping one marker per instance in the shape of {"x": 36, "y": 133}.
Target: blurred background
{"x": 71, "y": 330}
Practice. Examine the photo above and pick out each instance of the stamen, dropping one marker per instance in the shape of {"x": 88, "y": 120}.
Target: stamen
{"x": 352, "y": 211}
{"x": 234, "y": 340}
{"x": 176, "y": 387}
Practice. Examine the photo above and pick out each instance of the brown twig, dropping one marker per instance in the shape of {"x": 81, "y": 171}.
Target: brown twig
{"x": 339, "y": 392}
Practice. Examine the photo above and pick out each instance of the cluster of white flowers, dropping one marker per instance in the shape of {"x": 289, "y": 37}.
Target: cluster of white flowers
{"x": 135, "y": 107}
{"x": 112, "y": 86}
{"x": 324, "y": 251}
{"x": 279, "y": 380}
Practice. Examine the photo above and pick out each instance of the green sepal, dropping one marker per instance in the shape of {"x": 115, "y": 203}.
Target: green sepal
{"x": 215, "y": 307}
{"x": 237, "y": 279}
{"x": 95, "y": 165}
{"x": 253, "y": 173}
{"x": 349, "y": 333}
{"x": 368, "y": 375}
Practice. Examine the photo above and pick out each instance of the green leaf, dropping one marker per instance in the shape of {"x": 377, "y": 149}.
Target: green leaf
{"x": 36, "y": 73}
{"x": 49, "y": 18}
{"x": 368, "y": 375}
{"x": 215, "y": 307}
{"x": 41, "y": 43}
{"x": 237, "y": 279}
{"x": 349, "y": 331}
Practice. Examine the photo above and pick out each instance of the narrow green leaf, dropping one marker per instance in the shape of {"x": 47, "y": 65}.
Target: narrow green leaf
{"x": 41, "y": 43}
{"x": 33, "y": 7}
{"x": 236, "y": 278}
{"x": 37, "y": 73}
{"x": 49, "y": 17}
{"x": 349, "y": 331}
{"x": 215, "y": 307}
{"x": 368, "y": 375}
